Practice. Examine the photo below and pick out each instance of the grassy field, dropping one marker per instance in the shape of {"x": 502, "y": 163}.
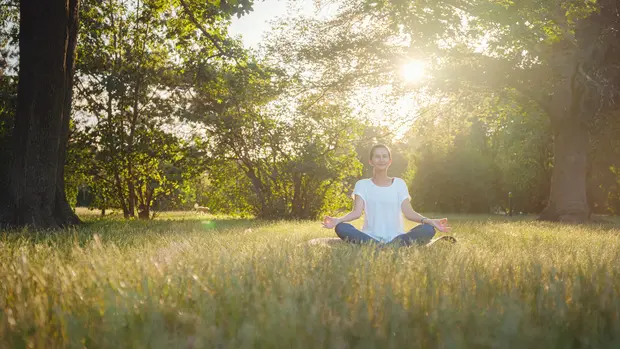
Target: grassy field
{"x": 192, "y": 281}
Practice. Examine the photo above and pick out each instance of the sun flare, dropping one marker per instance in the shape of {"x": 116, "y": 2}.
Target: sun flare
{"x": 412, "y": 71}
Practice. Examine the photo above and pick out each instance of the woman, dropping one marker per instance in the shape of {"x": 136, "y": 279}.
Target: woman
{"x": 383, "y": 199}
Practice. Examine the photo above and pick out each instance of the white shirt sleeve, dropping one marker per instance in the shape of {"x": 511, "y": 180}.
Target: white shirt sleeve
{"x": 403, "y": 191}
{"x": 359, "y": 190}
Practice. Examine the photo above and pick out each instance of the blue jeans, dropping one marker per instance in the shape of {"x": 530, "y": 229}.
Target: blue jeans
{"x": 421, "y": 234}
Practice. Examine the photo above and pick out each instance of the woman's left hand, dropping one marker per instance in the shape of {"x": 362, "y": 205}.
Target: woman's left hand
{"x": 330, "y": 222}
{"x": 441, "y": 224}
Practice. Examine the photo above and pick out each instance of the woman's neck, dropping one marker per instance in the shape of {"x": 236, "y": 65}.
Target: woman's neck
{"x": 380, "y": 177}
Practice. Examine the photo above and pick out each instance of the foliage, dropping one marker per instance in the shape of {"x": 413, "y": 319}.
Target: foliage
{"x": 136, "y": 67}
{"x": 604, "y": 170}
{"x": 560, "y": 56}
{"x": 79, "y": 163}
{"x": 522, "y": 146}
{"x": 226, "y": 190}
{"x": 297, "y": 168}
{"x": 465, "y": 179}
{"x": 8, "y": 84}
{"x": 294, "y": 152}
{"x": 9, "y": 32}
{"x": 470, "y": 158}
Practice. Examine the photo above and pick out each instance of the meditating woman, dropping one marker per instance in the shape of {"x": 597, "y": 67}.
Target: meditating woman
{"x": 382, "y": 199}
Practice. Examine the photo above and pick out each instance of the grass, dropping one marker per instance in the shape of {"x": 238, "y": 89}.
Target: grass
{"x": 191, "y": 281}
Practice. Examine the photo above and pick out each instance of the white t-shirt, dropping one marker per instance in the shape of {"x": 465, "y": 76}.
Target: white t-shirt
{"x": 383, "y": 219}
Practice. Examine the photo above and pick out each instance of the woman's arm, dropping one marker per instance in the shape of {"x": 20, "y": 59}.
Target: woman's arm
{"x": 409, "y": 213}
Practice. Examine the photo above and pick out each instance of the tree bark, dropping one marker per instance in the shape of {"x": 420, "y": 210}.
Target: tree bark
{"x": 590, "y": 87}
{"x": 47, "y": 40}
{"x": 146, "y": 203}
{"x": 121, "y": 197}
{"x": 63, "y": 211}
{"x": 257, "y": 185}
{"x": 568, "y": 200}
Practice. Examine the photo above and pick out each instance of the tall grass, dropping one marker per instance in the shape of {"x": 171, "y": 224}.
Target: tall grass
{"x": 245, "y": 284}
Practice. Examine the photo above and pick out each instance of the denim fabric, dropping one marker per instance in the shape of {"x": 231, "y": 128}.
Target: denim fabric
{"x": 420, "y": 234}
{"x": 349, "y": 233}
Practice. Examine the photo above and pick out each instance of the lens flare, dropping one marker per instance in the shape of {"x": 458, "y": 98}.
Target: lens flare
{"x": 207, "y": 224}
{"x": 412, "y": 71}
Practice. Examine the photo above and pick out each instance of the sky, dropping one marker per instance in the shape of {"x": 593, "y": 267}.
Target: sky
{"x": 253, "y": 26}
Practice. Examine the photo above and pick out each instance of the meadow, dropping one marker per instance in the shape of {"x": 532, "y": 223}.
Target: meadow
{"x": 187, "y": 280}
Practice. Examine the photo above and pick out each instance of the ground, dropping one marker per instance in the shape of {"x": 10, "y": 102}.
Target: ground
{"x": 189, "y": 280}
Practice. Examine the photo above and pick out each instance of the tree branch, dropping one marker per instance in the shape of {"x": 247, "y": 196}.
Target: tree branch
{"x": 214, "y": 41}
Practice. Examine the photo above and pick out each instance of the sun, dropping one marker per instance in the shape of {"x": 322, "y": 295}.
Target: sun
{"x": 412, "y": 71}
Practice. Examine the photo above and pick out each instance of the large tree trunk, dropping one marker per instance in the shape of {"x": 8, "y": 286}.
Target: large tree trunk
{"x": 47, "y": 40}
{"x": 568, "y": 200}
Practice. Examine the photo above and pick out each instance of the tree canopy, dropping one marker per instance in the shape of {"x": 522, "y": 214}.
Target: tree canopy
{"x": 167, "y": 110}
{"x": 559, "y": 55}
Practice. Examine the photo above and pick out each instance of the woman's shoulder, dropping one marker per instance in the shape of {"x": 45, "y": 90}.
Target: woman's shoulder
{"x": 400, "y": 181}
{"x": 363, "y": 181}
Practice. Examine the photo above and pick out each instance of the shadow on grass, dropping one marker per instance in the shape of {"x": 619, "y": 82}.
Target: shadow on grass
{"x": 127, "y": 232}
{"x": 171, "y": 225}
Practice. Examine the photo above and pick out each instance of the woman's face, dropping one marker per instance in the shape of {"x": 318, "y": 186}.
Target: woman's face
{"x": 380, "y": 159}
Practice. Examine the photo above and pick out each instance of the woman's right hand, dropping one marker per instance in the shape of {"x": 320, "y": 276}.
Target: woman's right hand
{"x": 330, "y": 222}
{"x": 441, "y": 224}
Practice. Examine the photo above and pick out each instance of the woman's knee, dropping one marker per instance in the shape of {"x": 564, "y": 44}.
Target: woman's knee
{"x": 345, "y": 231}
{"x": 341, "y": 227}
{"x": 428, "y": 230}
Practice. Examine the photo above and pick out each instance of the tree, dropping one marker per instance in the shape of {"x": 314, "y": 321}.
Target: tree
{"x": 522, "y": 141}
{"x": 466, "y": 152}
{"x": 295, "y": 169}
{"x": 47, "y": 42}
{"x": 295, "y": 155}
{"x": 128, "y": 86}
{"x": 559, "y": 54}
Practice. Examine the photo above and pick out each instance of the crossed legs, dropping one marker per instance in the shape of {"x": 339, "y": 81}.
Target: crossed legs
{"x": 420, "y": 234}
